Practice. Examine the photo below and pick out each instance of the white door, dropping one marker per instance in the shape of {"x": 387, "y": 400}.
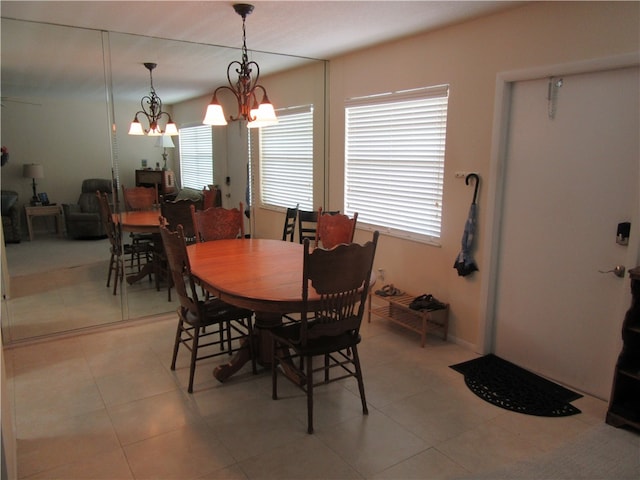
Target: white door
{"x": 569, "y": 181}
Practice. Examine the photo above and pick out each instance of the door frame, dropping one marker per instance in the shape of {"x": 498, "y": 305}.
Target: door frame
{"x": 498, "y": 159}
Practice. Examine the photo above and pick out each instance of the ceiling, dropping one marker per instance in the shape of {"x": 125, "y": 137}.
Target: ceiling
{"x": 193, "y": 42}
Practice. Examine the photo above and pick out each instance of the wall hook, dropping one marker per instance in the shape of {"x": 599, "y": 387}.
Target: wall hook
{"x": 475, "y": 191}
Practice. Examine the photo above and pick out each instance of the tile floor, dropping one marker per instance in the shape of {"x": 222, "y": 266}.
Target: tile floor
{"x": 106, "y": 405}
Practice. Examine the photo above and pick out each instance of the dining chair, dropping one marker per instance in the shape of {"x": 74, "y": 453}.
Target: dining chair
{"x": 211, "y": 197}
{"x": 329, "y": 326}
{"x": 290, "y": 223}
{"x": 308, "y": 223}
{"x": 114, "y": 234}
{"x": 140, "y": 198}
{"x": 217, "y": 223}
{"x": 174, "y": 213}
{"x": 333, "y": 229}
{"x": 194, "y": 315}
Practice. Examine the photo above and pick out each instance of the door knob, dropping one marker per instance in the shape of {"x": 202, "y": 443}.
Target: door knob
{"x": 618, "y": 271}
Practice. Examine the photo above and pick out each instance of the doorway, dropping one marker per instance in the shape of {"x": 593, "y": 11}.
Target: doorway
{"x": 570, "y": 176}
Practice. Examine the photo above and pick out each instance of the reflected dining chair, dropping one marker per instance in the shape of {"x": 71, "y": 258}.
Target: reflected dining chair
{"x": 116, "y": 264}
{"x": 177, "y": 212}
{"x": 194, "y": 314}
{"x": 290, "y": 223}
{"x": 328, "y": 329}
{"x": 217, "y": 223}
{"x": 334, "y": 229}
{"x": 117, "y": 249}
{"x": 308, "y": 223}
{"x": 140, "y": 198}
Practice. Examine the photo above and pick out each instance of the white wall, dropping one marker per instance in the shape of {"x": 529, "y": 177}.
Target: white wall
{"x": 467, "y": 56}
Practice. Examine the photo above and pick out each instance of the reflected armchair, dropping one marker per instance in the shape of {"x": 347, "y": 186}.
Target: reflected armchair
{"x": 83, "y": 219}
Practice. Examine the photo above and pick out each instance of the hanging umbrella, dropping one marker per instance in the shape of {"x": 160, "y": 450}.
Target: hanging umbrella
{"x": 465, "y": 264}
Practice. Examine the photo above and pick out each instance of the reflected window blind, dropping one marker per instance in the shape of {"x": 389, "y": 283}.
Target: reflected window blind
{"x": 394, "y": 161}
{"x": 286, "y": 159}
{"x": 196, "y": 156}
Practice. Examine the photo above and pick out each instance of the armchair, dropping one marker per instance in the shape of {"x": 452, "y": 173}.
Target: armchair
{"x": 83, "y": 219}
{"x": 10, "y": 217}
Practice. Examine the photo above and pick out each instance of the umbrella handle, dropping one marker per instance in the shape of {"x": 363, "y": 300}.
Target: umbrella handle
{"x": 475, "y": 191}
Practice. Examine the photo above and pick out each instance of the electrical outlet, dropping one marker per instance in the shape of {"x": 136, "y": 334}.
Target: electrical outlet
{"x": 381, "y": 274}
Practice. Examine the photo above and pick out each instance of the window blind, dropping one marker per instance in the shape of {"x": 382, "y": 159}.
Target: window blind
{"x": 196, "y": 156}
{"x": 286, "y": 159}
{"x": 394, "y": 161}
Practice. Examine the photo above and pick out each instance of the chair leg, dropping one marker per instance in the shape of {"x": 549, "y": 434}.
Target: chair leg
{"x": 176, "y": 345}
{"x": 274, "y": 370}
{"x": 309, "y": 395}
{"x": 111, "y": 265}
{"x": 194, "y": 357}
{"x": 118, "y": 274}
{"x": 252, "y": 345}
{"x": 356, "y": 362}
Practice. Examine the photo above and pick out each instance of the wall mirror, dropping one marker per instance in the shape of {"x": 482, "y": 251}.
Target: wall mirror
{"x": 63, "y": 120}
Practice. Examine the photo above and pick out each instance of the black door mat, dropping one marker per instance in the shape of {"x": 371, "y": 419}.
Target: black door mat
{"x": 513, "y": 388}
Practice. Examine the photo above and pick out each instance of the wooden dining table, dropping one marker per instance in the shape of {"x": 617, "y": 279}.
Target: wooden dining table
{"x": 262, "y": 275}
{"x": 141, "y": 221}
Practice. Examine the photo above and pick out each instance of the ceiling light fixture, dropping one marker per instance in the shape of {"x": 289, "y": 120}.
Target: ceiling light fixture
{"x": 256, "y": 114}
{"x": 152, "y": 109}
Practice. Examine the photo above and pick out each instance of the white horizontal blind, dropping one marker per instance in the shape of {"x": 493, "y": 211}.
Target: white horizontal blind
{"x": 394, "y": 161}
{"x": 196, "y": 156}
{"x": 286, "y": 159}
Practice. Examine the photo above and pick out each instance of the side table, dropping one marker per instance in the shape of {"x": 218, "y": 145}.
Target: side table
{"x": 44, "y": 211}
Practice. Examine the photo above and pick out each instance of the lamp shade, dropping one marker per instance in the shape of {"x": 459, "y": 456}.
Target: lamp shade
{"x": 32, "y": 170}
{"x": 165, "y": 141}
{"x": 214, "y": 114}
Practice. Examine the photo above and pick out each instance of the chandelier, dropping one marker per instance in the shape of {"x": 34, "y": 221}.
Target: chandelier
{"x": 257, "y": 114}
{"x": 152, "y": 109}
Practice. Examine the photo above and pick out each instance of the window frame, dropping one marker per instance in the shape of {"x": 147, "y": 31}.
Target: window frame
{"x": 298, "y": 143}
{"x": 202, "y": 165}
{"x": 394, "y": 159}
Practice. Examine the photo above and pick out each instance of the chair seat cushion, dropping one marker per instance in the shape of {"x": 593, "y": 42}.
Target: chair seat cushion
{"x": 215, "y": 311}
{"x": 290, "y": 334}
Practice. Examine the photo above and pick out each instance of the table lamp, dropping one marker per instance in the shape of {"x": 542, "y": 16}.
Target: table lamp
{"x": 164, "y": 142}
{"x": 33, "y": 171}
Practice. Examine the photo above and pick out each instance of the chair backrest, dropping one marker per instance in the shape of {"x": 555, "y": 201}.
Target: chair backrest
{"x": 110, "y": 227}
{"x": 140, "y": 198}
{"x": 212, "y": 197}
{"x": 334, "y": 229}
{"x": 87, "y": 199}
{"x": 307, "y": 224}
{"x": 217, "y": 223}
{"x": 175, "y": 248}
{"x": 177, "y": 213}
{"x": 341, "y": 276}
{"x": 290, "y": 223}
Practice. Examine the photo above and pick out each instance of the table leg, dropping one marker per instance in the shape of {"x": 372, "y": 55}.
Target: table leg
{"x": 264, "y": 321}
{"x": 30, "y": 227}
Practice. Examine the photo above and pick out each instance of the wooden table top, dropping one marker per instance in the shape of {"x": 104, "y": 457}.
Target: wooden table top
{"x": 143, "y": 221}
{"x": 259, "y": 274}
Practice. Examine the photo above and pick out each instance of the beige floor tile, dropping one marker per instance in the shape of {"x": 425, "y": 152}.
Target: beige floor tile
{"x": 487, "y": 447}
{"x": 256, "y": 426}
{"x": 146, "y": 418}
{"x": 306, "y": 458}
{"x": 186, "y": 453}
{"x": 111, "y": 465}
{"x": 429, "y": 464}
{"x": 135, "y": 384}
{"x": 48, "y": 444}
{"x": 372, "y": 443}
